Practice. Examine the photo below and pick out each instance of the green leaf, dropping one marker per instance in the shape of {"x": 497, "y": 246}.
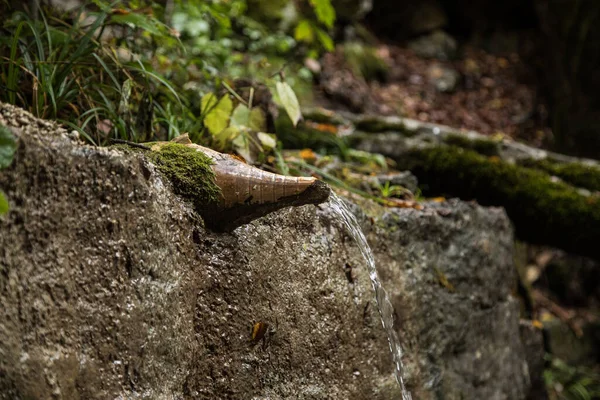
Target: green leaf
{"x": 289, "y": 101}
{"x": 246, "y": 120}
{"x": 8, "y": 146}
{"x": 269, "y": 141}
{"x": 240, "y": 116}
{"x": 304, "y": 32}
{"x": 3, "y": 203}
{"x": 102, "y": 6}
{"x": 258, "y": 121}
{"x": 324, "y": 11}
{"x": 139, "y": 21}
{"x": 221, "y": 18}
{"x": 325, "y": 40}
{"x": 125, "y": 95}
{"x": 208, "y": 101}
{"x": 217, "y": 117}
{"x": 242, "y": 147}
{"x": 226, "y": 135}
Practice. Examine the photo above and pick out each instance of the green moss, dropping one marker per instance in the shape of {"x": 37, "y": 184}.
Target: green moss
{"x": 189, "y": 171}
{"x": 542, "y": 211}
{"x": 323, "y": 116}
{"x": 481, "y": 146}
{"x": 305, "y": 136}
{"x": 380, "y": 124}
{"x": 583, "y": 176}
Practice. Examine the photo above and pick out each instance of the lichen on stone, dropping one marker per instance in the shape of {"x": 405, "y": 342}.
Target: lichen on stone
{"x": 189, "y": 171}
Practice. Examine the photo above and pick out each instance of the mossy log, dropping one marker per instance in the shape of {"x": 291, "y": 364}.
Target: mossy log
{"x": 542, "y": 209}
{"x": 400, "y": 134}
{"x": 391, "y": 136}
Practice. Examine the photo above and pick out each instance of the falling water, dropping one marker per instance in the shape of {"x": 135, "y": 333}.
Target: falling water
{"x": 386, "y": 310}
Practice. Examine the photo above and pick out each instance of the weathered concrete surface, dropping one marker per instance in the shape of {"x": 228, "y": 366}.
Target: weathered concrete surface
{"x": 111, "y": 288}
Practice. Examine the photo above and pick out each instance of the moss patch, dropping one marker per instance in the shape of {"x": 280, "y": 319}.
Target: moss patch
{"x": 379, "y": 124}
{"x": 189, "y": 171}
{"x": 543, "y": 211}
{"x": 481, "y": 146}
{"x": 323, "y": 116}
{"x": 576, "y": 174}
{"x": 305, "y": 136}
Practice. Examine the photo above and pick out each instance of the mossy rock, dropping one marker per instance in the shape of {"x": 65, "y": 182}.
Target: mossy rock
{"x": 579, "y": 175}
{"x": 189, "y": 171}
{"x": 543, "y": 211}
{"x": 482, "y": 146}
{"x": 374, "y": 124}
{"x": 307, "y": 135}
{"x": 323, "y": 116}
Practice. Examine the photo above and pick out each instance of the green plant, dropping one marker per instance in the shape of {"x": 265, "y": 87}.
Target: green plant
{"x": 388, "y": 190}
{"x": 119, "y": 71}
{"x": 313, "y": 31}
{"x": 242, "y": 126}
{"x": 565, "y": 382}
{"x": 8, "y": 146}
{"x": 62, "y": 70}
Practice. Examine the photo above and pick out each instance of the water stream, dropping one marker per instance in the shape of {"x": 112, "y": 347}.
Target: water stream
{"x": 386, "y": 310}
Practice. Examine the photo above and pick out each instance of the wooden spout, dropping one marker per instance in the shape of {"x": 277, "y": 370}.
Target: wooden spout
{"x": 247, "y": 193}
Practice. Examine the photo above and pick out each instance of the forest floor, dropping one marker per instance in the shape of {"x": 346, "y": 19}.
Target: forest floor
{"x": 490, "y": 94}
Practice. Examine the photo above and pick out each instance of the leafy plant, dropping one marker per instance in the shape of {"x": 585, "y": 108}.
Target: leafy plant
{"x": 566, "y": 382}
{"x": 117, "y": 71}
{"x": 64, "y": 71}
{"x": 314, "y": 31}
{"x": 388, "y": 190}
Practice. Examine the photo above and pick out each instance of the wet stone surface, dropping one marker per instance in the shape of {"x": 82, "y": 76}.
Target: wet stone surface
{"x": 111, "y": 286}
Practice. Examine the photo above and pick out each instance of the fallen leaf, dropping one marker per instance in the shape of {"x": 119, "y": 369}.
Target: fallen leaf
{"x": 289, "y": 101}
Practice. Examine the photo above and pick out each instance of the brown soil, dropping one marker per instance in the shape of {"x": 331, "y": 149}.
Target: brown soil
{"x": 495, "y": 93}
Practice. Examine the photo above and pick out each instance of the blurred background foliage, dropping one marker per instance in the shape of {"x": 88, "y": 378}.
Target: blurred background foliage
{"x": 138, "y": 70}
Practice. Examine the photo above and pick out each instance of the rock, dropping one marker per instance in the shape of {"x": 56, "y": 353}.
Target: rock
{"x": 572, "y": 280}
{"x": 471, "y": 166}
{"x": 405, "y": 179}
{"x": 438, "y": 45}
{"x": 443, "y": 78}
{"x": 571, "y": 347}
{"x": 111, "y": 287}
{"x": 533, "y": 344}
{"x": 339, "y": 83}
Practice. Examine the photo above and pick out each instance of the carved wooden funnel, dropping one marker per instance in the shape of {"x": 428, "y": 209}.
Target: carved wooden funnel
{"x": 247, "y": 193}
